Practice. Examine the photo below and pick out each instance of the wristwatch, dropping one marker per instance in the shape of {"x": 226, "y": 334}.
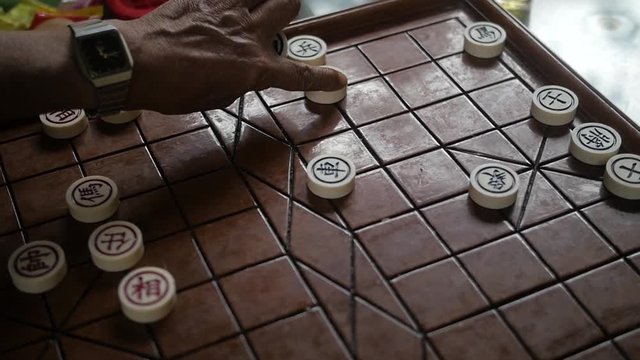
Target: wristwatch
{"x": 104, "y": 58}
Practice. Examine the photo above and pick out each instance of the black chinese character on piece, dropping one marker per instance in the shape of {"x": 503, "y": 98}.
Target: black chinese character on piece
{"x": 631, "y": 171}
{"x": 64, "y": 115}
{"x": 90, "y": 192}
{"x": 306, "y": 46}
{"x": 596, "y": 138}
{"x": 484, "y": 32}
{"x": 496, "y": 179}
{"x": 34, "y": 260}
{"x": 553, "y": 98}
{"x": 329, "y": 169}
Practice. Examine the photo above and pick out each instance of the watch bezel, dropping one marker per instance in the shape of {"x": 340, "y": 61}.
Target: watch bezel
{"x": 106, "y": 80}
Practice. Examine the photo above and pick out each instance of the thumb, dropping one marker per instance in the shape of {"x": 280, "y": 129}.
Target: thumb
{"x": 295, "y": 76}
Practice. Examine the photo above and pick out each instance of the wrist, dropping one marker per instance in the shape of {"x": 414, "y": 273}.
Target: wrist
{"x": 132, "y": 32}
{"x": 69, "y": 71}
{"x": 65, "y": 71}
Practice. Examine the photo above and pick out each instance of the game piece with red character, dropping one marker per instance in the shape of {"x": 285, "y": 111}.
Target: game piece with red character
{"x": 116, "y": 246}
{"x": 92, "y": 199}
{"x": 37, "y": 267}
{"x": 147, "y": 294}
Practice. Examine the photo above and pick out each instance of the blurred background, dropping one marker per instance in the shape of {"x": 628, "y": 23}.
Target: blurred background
{"x": 600, "y": 39}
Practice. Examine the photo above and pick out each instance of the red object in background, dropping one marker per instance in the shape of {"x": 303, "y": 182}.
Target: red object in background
{"x": 132, "y": 9}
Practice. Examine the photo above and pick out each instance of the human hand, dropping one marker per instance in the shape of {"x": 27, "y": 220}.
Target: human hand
{"x": 192, "y": 55}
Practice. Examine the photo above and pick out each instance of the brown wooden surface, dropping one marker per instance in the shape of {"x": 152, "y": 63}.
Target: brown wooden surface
{"x": 366, "y": 17}
{"x": 339, "y": 28}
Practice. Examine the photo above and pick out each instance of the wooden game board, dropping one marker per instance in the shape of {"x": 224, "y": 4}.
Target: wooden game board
{"x": 406, "y": 267}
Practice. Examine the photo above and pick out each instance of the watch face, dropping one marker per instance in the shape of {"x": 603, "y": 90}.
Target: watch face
{"x": 104, "y": 54}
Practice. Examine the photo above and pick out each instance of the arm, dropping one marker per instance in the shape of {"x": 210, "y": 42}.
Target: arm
{"x": 189, "y": 55}
{"x": 38, "y": 74}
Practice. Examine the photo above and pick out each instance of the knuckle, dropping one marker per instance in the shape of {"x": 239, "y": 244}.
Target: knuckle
{"x": 232, "y": 18}
{"x": 226, "y": 19}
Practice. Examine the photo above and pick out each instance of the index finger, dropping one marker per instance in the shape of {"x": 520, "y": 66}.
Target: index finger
{"x": 295, "y": 76}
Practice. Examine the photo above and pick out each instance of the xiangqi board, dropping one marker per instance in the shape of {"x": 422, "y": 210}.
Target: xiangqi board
{"x": 405, "y": 267}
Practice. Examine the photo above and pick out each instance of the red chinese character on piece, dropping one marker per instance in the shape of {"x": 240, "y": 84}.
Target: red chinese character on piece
{"x": 90, "y": 192}
{"x": 35, "y": 260}
{"x": 119, "y": 238}
{"x": 146, "y": 289}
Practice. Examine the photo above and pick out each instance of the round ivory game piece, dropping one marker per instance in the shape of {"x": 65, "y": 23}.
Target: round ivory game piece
{"x": 116, "y": 246}
{"x": 122, "y": 117}
{"x": 280, "y": 44}
{"x": 554, "y": 105}
{"x": 327, "y": 97}
{"x": 494, "y": 186}
{"x": 308, "y": 49}
{"x": 484, "y": 40}
{"x": 622, "y": 176}
{"x": 147, "y": 294}
{"x": 92, "y": 199}
{"x": 331, "y": 176}
{"x": 594, "y": 143}
{"x": 37, "y": 266}
{"x": 64, "y": 124}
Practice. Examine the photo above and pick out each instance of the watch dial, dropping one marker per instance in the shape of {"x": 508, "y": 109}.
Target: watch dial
{"x": 104, "y": 54}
